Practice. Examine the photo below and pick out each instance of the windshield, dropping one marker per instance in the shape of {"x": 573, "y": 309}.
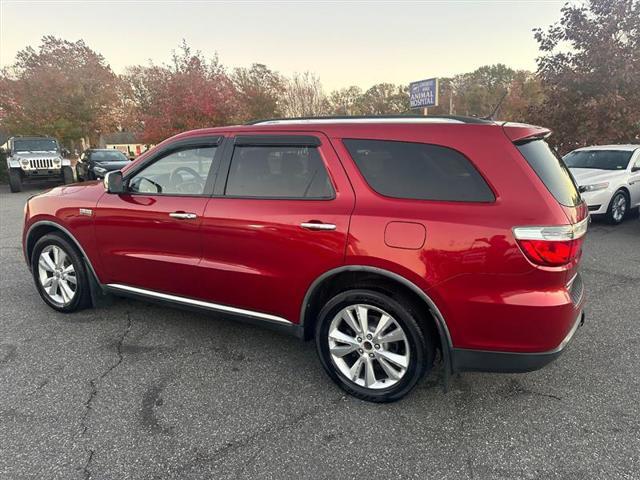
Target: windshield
{"x": 599, "y": 159}
{"x": 109, "y": 156}
{"x": 34, "y": 145}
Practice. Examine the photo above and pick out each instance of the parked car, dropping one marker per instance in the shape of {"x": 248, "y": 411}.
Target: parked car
{"x": 384, "y": 239}
{"x": 96, "y": 162}
{"x": 35, "y": 158}
{"x": 608, "y": 177}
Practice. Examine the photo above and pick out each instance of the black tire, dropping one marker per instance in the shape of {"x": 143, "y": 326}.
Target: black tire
{"x": 612, "y": 215}
{"x": 82, "y": 296}
{"x": 421, "y": 348}
{"x": 78, "y": 176}
{"x": 67, "y": 175}
{"x": 15, "y": 180}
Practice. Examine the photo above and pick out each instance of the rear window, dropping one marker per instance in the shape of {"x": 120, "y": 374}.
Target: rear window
{"x": 418, "y": 171}
{"x": 551, "y": 170}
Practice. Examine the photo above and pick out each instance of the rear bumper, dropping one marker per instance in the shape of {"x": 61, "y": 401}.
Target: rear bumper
{"x": 463, "y": 359}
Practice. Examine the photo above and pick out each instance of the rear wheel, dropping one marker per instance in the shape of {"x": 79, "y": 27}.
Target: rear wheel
{"x": 59, "y": 273}
{"x": 67, "y": 175}
{"x": 618, "y": 208}
{"x": 15, "y": 180}
{"x": 372, "y": 346}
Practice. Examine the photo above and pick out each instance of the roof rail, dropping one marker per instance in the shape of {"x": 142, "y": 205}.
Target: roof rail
{"x": 373, "y": 119}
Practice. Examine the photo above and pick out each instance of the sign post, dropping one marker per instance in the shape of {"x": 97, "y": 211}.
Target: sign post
{"x": 423, "y": 94}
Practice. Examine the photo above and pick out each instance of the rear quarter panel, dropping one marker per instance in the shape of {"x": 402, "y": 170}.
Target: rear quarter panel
{"x": 470, "y": 265}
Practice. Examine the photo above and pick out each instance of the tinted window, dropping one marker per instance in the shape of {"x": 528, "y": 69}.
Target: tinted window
{"x": 278, "y": 172}
{"x": 108, "y": 156}
{"x": 598, "y": 159}
{"x": 552, "y": 171}
{"x": 418, "y": 171}
{"x": 183, "y": 172}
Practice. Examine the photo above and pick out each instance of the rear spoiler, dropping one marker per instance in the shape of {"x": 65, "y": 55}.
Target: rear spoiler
{"x": 521, "y": 132}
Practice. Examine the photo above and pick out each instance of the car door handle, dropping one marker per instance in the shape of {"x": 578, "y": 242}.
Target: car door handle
{"x": 318, "y": 226}
{"x": 183, "y": 215}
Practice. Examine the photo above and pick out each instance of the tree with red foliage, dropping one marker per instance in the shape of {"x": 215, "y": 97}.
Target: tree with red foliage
{"x": 592, "y": 87}
{"x": 63, "y": 89}
{"x": 188, "y": 94}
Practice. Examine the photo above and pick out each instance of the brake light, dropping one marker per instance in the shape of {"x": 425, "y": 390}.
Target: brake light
{"x": 552, "y": 246}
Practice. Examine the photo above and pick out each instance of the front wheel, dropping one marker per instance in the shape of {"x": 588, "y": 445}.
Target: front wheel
{"x": 618, "y": 208}
{"x": 372, "y": 346}
{"x": 67, "y": 175}
{"x": 15, "y": 180}
{"x": 59, "y": 273}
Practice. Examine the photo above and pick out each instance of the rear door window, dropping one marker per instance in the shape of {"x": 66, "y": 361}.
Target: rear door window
{"x": 418, "y": 171}
{"x": 291, "y": 172}
{"x": 551, "y": 170}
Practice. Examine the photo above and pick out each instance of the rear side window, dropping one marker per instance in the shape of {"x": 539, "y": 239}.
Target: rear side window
{"x": 418, "y": 171}
{"x": 278, "y": 172}
{"x": 551, "y": 170}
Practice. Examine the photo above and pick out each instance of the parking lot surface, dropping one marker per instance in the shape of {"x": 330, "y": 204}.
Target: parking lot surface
{"x": 139, "y": 391}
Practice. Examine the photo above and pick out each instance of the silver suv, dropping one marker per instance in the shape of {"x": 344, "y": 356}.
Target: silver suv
{"x": 35, "y": 158}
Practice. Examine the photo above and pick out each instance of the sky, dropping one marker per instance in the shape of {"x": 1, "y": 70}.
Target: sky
{"x": 345, "y": 43}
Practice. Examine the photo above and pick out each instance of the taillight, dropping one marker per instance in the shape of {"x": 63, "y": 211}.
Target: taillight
{"x": 552, "y": 246}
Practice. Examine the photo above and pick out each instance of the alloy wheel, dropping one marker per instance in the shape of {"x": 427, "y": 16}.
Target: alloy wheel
{"x": 619, "y": 207}
{"x": 57, "y": 275}
{"x": 368, "y": 346}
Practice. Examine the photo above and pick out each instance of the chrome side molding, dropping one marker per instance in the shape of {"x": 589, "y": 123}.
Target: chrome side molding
{"x": 197, "y": 303}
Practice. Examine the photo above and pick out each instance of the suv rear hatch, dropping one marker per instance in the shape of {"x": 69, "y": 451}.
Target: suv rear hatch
{"x": 551, "y": 245}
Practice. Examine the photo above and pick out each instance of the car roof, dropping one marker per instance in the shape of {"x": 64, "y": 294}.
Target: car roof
{"x": 32, "y": 137}
{"x": 626, "y": 147}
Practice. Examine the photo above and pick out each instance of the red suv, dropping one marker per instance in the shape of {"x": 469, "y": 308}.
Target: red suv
{"x": 384, "y": 239}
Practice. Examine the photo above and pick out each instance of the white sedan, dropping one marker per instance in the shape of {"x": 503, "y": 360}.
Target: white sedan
{"x": 608, "y": 178}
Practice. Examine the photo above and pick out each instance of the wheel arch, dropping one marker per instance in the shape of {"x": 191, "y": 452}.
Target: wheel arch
{"x": 321, "y": 289}
{"x": 43, "y": 227}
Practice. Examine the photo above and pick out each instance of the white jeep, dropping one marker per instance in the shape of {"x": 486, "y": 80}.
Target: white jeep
{"x": 35, "y": 158}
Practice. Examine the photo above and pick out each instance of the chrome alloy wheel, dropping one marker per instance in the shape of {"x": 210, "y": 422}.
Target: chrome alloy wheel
{"x": 57, "y": 275}
{"x": 619, "y": 207}
{"x": 368, "y": 346}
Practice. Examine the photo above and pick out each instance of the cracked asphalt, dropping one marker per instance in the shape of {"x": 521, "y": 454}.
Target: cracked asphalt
{"x": 139, "y": 391}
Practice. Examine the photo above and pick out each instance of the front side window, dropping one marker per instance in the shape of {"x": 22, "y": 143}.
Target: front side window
{"x": 418, "y": 171}
{"x": 278, "y": 172}
{"x": 598, "y": 159}
{"x": 183, "y": 172}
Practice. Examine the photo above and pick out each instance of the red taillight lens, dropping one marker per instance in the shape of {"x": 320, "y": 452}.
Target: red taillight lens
{"x": 551, "y": 253}
{"x": 552, "y": 246}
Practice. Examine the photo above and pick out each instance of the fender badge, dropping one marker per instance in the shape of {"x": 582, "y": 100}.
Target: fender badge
{"x": 86, "y": 211}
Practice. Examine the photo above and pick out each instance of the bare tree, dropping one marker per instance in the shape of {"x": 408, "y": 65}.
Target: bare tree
{"x": 303, "y": 96}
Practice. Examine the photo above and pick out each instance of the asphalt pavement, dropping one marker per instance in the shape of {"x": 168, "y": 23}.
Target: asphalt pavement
{"x": 139, "y": 391}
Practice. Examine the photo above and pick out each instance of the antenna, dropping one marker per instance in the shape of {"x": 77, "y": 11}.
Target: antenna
{"x": 498, "y": 105}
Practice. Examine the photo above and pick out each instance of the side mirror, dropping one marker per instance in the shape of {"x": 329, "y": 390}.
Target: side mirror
{"x": 113, "y": 182}
{"x": 635, "y": 169}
